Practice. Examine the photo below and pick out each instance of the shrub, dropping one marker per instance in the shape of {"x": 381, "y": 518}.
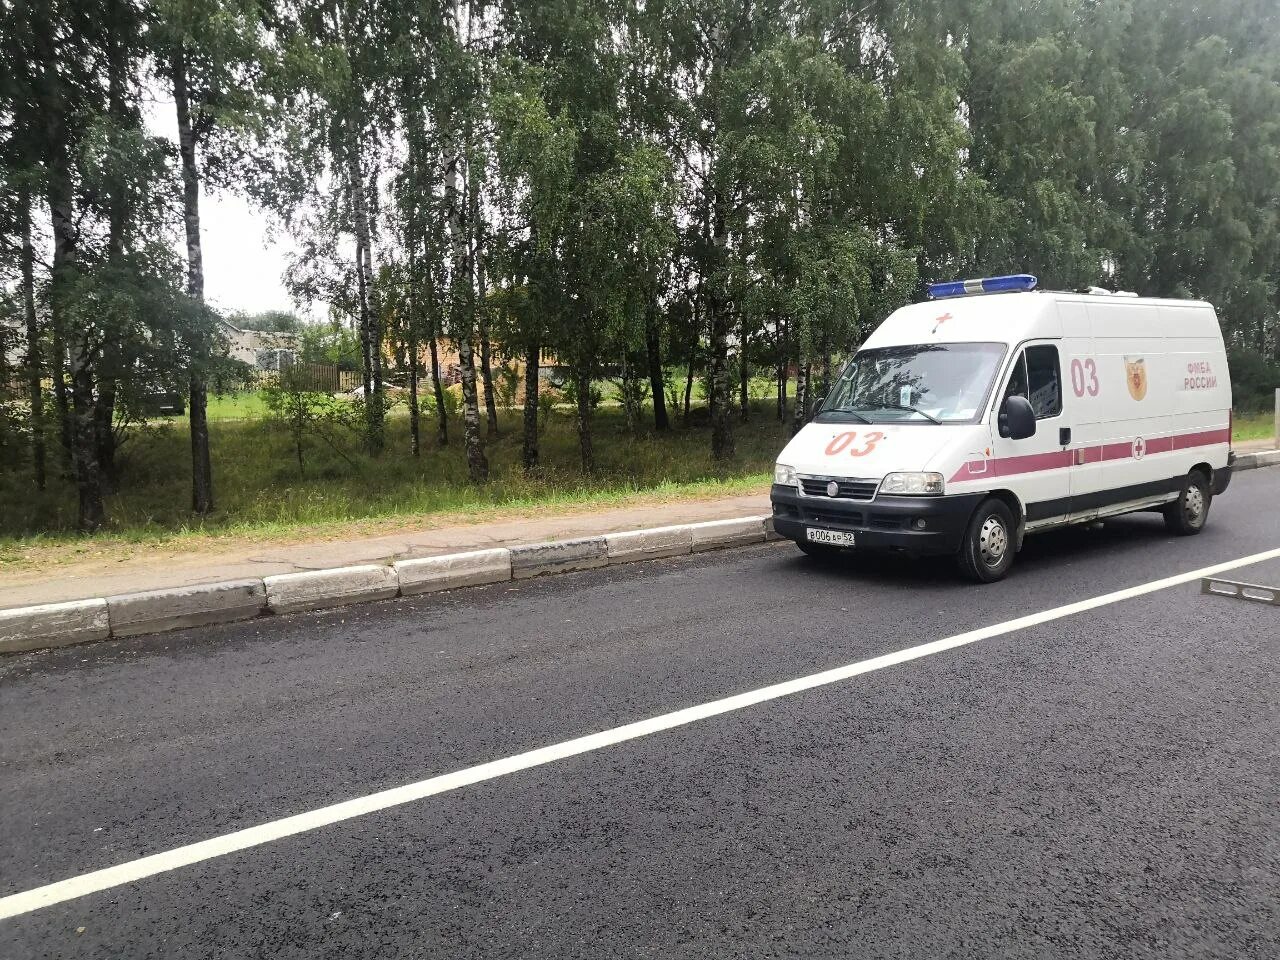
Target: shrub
{"x": 306, "y": 414}
{"x": 1254, "y": 381}
{"x": 508, "y": 384}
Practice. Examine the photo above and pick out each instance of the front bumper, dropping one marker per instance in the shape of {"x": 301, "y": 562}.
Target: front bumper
{"x": 884, "y": 523}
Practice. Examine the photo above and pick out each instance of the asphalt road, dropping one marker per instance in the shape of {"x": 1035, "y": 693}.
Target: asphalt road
{"x": 1104, "y": 784}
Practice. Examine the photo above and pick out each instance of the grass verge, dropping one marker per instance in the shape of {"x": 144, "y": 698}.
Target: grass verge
{"x": 1255, "y": 426}
{"x": 344, "y": 493}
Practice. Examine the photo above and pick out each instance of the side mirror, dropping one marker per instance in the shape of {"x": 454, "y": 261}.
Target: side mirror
{"x": 1017, "y": 420}
{"x": 816, "y": 406}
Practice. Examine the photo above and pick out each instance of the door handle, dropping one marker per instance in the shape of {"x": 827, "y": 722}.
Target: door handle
{"x": 1064, "y": 436}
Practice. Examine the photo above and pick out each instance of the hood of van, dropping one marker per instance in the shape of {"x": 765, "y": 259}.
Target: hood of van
{"x": 869, "y": 451}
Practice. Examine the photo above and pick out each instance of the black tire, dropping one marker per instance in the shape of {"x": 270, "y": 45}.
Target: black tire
{"x": 819, "y": 551}
{"x": 989, "y": 544}
{"x": 1187, "y": 515}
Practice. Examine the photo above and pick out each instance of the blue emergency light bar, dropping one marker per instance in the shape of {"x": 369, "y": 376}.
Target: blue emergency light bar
{"x": 964, "y": 288}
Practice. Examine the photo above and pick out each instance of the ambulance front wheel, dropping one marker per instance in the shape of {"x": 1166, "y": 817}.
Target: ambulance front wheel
{"x": 1186, "y": 515}
{"x": 990, "y": 542}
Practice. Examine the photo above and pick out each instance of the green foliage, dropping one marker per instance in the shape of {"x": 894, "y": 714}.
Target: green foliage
{"x": 264, "y": 494}
{"x": 272, "y": 321}
{"x": 15, "y": 434}
{"x": 307, "y": 415}
{"x": 452, "y": 404}
{"x": 1256, "y": 426}
{"x": 226, "y": 375}
{"x": 1254, "y": 381}
{"x": 631, "y": 190}
{"x": 546, "y": 410}
{"x": 1133, "y": 144}
{"x": 508, "y": 384}
{"x": 329, "y": 343}
{"x": 145, "y": 334}
{"x": 569, "y": 387}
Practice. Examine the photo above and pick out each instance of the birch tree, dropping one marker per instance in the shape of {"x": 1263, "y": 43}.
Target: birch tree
{"x": 214, "y": 59}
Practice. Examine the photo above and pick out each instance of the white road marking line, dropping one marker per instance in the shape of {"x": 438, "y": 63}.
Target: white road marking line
{"x": 135, "y": 870}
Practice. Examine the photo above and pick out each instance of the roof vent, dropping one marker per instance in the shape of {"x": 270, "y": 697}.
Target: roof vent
{"x": 1104, "y": 292}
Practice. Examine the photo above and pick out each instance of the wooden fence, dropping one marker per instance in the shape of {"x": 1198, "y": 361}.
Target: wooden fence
{"x": 320, "y": 377}
{"x": 316, "y": 377}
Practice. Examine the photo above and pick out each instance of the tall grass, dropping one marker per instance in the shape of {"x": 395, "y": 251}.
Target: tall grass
{"x": 1257, "y": 426}
{"x": 243, "y": 405}
{"x": 259, "y": 489}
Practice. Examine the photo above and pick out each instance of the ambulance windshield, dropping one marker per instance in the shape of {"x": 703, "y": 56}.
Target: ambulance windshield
{"x": 938, "y": 383}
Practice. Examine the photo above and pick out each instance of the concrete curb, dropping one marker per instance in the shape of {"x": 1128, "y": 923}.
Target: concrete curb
{"x": 154, "y": 611}
{"x": 1264, "y": 458}
{"x": 716, "y": 534}
{"x": 651, "y": 544}
{"x": 132, "y": 614}
{"x": 559, "y": 556}
{"x": 317, "y": 589}
{"x": 53, "y": 625}
{"x": 453, "y": 570}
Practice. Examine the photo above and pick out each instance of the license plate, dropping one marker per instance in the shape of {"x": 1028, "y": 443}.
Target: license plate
{"x": 837, "y": 538}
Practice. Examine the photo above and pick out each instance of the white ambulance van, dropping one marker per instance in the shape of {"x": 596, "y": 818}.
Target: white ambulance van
{"x": 995, "y": 410}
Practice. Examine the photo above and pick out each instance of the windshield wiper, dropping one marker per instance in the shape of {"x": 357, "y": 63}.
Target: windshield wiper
{"x": 899, "y": 406}
{"x": 846, "y": 411}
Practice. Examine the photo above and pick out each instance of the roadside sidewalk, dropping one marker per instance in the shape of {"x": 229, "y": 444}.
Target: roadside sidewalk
{"x": 1254, "y": 446}
{"x": 166, "y": 567}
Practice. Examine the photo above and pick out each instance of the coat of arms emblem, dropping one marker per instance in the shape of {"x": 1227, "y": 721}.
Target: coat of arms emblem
{"x": 1135, "y": 376}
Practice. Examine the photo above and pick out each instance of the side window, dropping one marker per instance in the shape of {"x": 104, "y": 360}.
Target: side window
{"x": 1044, "y": 381}
{"x": 1017, "y": 379}
{"x": 1035, "y": 376}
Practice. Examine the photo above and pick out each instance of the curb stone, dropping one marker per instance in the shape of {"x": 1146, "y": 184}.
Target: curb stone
{"x": 132, "y": 614}
{"x": 473, "y": 569}
{"x": 651, "y": 544}
{"x": 1251, "y": 461}
{"x": 317, "y": 589}
{"x": 558, "y": 556}
{"x": 727, "y": 533}
{"x": 53, "y": 625}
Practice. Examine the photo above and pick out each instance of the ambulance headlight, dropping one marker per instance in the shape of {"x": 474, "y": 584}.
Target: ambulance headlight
{"x": 913, "y": 484}
{"x": 783, "y": 475}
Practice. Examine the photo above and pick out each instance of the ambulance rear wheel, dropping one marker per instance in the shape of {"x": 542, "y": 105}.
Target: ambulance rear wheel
{"x": 989, "y": 543}
{"x": 1186, "y": 515}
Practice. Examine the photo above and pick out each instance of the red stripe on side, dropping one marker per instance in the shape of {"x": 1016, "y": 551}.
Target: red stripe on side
{"x": 1035, "y": 463}
{"x": 1205, "y": 438}
{"x": 1009, "y": 466}
{"x": 1032, "y": 463}
{"x": 1112, "y": 451}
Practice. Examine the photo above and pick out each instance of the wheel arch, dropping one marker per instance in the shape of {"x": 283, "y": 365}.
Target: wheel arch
{"x": 1014, "y": 503}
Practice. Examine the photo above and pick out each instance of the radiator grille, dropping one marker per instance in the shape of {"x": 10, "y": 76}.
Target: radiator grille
{"x": 846, "y": 489}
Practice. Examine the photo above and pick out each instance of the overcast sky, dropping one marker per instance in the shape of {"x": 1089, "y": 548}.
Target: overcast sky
{"x": 244, "y": 257}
